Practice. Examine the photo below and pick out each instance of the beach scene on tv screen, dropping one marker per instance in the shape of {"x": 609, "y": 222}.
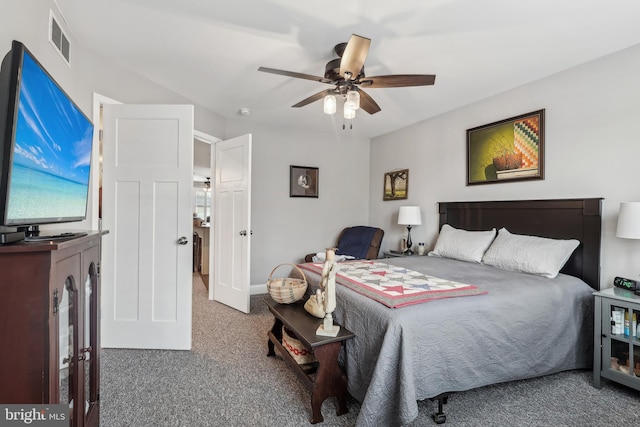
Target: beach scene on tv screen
{"x": 52, "y": 152}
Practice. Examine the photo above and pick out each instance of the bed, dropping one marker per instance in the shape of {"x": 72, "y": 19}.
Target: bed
{"x": 524, "y": 326}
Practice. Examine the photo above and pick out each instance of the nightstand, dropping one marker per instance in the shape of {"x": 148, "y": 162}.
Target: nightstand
{"x": 616, "y": 352}
{"x": 389, "y": 254}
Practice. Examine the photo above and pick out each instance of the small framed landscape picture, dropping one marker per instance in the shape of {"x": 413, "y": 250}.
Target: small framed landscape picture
{"x": 509, "y": 150}
{"x": 396, "y": 185}
{"x": 303, "y": 181}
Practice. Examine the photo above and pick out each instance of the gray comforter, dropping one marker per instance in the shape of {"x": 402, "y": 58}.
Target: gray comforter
{"x": 526, "y": 326}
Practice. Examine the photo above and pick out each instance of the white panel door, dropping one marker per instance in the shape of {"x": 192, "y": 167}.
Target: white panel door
{"x": 146, "y": 199}
{"x": 232, "y": 222}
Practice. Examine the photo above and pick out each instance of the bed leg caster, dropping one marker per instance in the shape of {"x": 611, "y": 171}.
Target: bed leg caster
{"x": 439, "y": 417}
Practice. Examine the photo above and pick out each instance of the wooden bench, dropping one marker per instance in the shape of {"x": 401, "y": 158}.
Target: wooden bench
{"x": 324, "y": 378}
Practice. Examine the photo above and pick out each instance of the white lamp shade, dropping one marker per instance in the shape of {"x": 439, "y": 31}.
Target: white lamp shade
{"x": 629, "y": 220}
{"x": 329, "y": 104}
{"x": 409, "y": 215}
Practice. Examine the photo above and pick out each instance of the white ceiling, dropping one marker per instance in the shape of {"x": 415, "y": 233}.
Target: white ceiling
{"x": 209, "y": 51}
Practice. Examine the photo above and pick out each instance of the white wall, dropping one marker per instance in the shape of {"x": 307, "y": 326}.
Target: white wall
{"x": 592, "y": 148}
{"x": 99, "y": 75}
{"x": 89, "y": 73}
{"x": 284, "y": 228}
{"x": 287, "y": 228}
{"x": 28, "y": 21}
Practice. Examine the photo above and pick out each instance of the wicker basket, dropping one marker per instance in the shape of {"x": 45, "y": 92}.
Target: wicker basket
{"x": 508, "y": 161}
{"x": 294, "y": 347}
{"x": 288, "y": 289}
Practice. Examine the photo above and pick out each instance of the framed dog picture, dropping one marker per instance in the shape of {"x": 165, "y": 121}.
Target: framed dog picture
{"x": 303, "y": 181}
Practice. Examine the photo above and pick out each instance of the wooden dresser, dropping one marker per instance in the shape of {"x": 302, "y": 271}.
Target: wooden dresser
{"x": 50, "y": 325}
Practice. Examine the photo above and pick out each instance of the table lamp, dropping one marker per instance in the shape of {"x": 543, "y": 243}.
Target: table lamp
{"x": 629, "y": 220}
{"x": 409, "y": 215}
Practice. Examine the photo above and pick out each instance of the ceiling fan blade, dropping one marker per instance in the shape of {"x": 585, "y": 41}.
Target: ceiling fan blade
{"x": 314, "y": 98}
{"x": 367, "y": 103}
{"x": 294, "y": 74}
{"x": 399, "y": 80}
{"x": 354, "y": 56}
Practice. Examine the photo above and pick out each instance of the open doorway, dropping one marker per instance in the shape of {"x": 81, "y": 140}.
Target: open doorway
{"x": 147, "y": 181}
{"x": 203, "y": 219}
{"x": 230, "y": 183}
{"x": 96, "y": 172}
{"x": 203, "y": 144}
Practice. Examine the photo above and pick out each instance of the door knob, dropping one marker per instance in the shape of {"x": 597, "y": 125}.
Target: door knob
{"x": 243, "y": 232}
{"x": 183, "y": 240}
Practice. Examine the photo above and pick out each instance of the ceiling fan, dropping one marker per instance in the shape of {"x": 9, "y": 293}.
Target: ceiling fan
{"x": 346, "y": 73}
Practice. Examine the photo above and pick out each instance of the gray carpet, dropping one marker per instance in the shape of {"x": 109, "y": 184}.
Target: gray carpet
{"x": 227, "y": 380}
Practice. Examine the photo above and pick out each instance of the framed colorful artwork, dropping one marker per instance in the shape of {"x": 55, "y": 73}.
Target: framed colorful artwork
{"x": 508, "y": 150}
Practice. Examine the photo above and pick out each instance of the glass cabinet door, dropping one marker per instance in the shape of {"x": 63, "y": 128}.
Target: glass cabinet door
{"x": 90, "y": 337}
{"x": 66, "y": 312}
{"x": 636, "y": 358}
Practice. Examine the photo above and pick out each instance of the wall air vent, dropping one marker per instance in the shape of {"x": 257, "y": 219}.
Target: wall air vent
{"x": 58, "y": 38}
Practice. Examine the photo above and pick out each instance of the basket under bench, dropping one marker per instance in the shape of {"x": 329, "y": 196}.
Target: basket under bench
{"x": 324, "y": 377}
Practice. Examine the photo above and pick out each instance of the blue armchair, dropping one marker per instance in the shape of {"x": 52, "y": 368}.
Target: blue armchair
{"x": 361, "y": 242}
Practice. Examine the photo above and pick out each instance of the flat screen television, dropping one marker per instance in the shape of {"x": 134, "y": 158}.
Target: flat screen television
{"x": 45, "y": 148}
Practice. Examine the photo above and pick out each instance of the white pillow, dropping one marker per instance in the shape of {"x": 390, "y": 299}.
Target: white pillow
{"x": 529, "y": 254}
{"x": 462, "y": 244}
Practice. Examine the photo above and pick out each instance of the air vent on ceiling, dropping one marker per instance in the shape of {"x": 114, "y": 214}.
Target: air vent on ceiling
{"x": 59, "y": 39}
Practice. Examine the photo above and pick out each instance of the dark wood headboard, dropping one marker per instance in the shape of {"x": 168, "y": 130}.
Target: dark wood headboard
{"x": 558, "y": 219}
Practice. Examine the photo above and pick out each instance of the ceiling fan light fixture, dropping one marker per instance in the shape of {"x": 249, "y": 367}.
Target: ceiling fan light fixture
{"x": 349, "y": 111}
{"x": 329, "y": 104}
{"x": 346, "y": 74}
{"x": 353, "y": 99}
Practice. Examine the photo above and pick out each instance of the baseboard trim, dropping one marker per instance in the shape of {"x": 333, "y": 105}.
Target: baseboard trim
{"x": 258, "y": 289}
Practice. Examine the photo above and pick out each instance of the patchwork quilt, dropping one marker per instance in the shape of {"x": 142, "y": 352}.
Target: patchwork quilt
{"x": 524, "y": 326}
{"x": 395, "y": 286}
